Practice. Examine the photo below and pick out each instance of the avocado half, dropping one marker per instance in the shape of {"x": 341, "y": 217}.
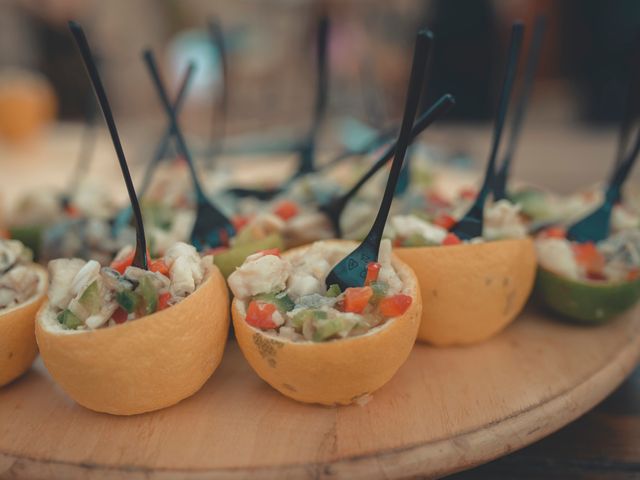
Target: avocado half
{"x": 586, "y": 302}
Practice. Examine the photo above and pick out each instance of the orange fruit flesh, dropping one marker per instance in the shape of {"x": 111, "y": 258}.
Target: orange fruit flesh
{"x": 471, "y": 291}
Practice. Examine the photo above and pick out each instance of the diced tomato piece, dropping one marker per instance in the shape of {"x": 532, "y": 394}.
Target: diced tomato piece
{"x": 121, "y": 265}
{"x": 373, "y": 270}
{"x": 239, "y": 222}
{"x": 445, "y": 221}
{"x": 271, "y": 251}
{"x": 554, "y": 232}
{"x": 163, "y": 300}
{"x": 72, "y": 211}
{"x": 357, "y": 298}
{"x": 286, "y": 209}
{"x": 159, "y": 266}
{"x": 451, "y": 239}
{"x": 633, "y": 275}
{"x": 468, "y": 193}
{"x": 259, "y": 315}
{"x": 437, "y": 200}
{"x": 120, "y": 315}
{"x": 588, "y": 256}
{"x": 397, "y": 242}
{"x": 394, "y": 305}
{"x": 4, "y": 233}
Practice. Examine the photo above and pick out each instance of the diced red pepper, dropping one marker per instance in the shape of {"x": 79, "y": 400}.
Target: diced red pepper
{"x": 633, "y": 275}
{"x": 394, "y": 305}
{"x": 163, "y": 300}
{"x": 259, "y": 315}
{"x": 239, "y": 222}
{"x": 437, "y": 200}
{"x": 120, "y": 315}
{"x": 397, "y": 242}
{"x": 271, "y": 251}
{"x": 159, "y": 266}
{"x": 357, "y": 298}
{"x": 445, "y": 221}
{"x": 451, "y": 239}
{"x": 588, "y": 257}
{"x": 121, "y": 265}
{"x": 373, "y": 270}
{"x": 72, "y": 211}
{"x": 4, "y": 233}
{"x": 286, "y": 209}
{"x": 554, "y": 232}
{"x": 468, "y": 193}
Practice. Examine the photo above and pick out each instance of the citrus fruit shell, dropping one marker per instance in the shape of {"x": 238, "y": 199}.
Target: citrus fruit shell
{"x": 470, "y": 292}
{"x": 583, "y": 301}
{"x": 335, "y": 372}
{"x": 18, "y": 346}
{"x": 141, "y": 365}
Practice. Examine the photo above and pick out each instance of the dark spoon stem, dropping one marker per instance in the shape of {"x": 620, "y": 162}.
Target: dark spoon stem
{"x": 182, "y": 144}
{"x": 222, "y": 107}
{"x": 140, "y": 256}
{"x": 162, "y": 148}
{"x": 531, "y": 66}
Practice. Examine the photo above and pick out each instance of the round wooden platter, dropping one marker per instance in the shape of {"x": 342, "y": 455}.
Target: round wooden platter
{"x": 446, "y": 410}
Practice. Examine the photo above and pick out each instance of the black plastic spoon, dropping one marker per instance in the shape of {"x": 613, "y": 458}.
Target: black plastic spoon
{"x": 221, "y": 108}
{"x": 212, "y": 228}
{"x": 140, "y": 256}
{"x": 595, "y": 226}
{"x": 307, "y": 150}
{"x": 351, "y": 271}
{"x": 470, "y": 226}
{"x": 123, "y": 217}
{"x": 335, "y": 207}
{"x": 531, "y": 66}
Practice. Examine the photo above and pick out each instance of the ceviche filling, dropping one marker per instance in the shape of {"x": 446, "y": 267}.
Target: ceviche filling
{"x": 85, "y": 295}
{"x": 18, "y": 277}
{"x": 616, "y": 259}
{"x": 502, "y": 220}
{"x": 287, "y": 297}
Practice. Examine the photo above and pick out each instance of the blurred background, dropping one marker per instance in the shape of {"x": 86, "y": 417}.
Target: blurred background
{"x": 580, "y": 86}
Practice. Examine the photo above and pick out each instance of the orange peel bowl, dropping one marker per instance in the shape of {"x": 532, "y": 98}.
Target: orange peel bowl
{"x": 471, "y": 291}
{"x": 336, "y": 372}
{"x": 142, "y": 365}
{"x": 18, "y": 346}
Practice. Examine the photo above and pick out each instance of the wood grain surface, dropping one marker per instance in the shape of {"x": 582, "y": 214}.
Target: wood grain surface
{"x": 446, "y": 410}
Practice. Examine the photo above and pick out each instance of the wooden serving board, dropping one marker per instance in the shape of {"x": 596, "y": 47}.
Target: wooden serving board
{"x": 446, "y": 410}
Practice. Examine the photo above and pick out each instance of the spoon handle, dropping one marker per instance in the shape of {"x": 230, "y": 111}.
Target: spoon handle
{"x": 163, "y": 146}
{"x": 219, "y": 116}
{"x": 164, "y": 98}
{"x": 140, "y": 257}
{"x": 533, "y": 58}
{"x": 622, "y": 173}
{"x": 419, "y": 65}
{"x": 442, "y": 106}
{"x": 517, "y": 31}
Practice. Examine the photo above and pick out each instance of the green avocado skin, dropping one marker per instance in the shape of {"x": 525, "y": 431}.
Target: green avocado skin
{"x": 229, "y": 260}
{"x": 584, "y": 302}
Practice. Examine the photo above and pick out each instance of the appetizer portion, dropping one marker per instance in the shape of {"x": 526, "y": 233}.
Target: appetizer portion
{"x": 85, "y": 295}
{"x": 124, "y": 340}
{"x": 474, "y": 288}
{"x": 589, "y": 282}
{"x": 317, "y": 344}
{"x": 22, "y": 291}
